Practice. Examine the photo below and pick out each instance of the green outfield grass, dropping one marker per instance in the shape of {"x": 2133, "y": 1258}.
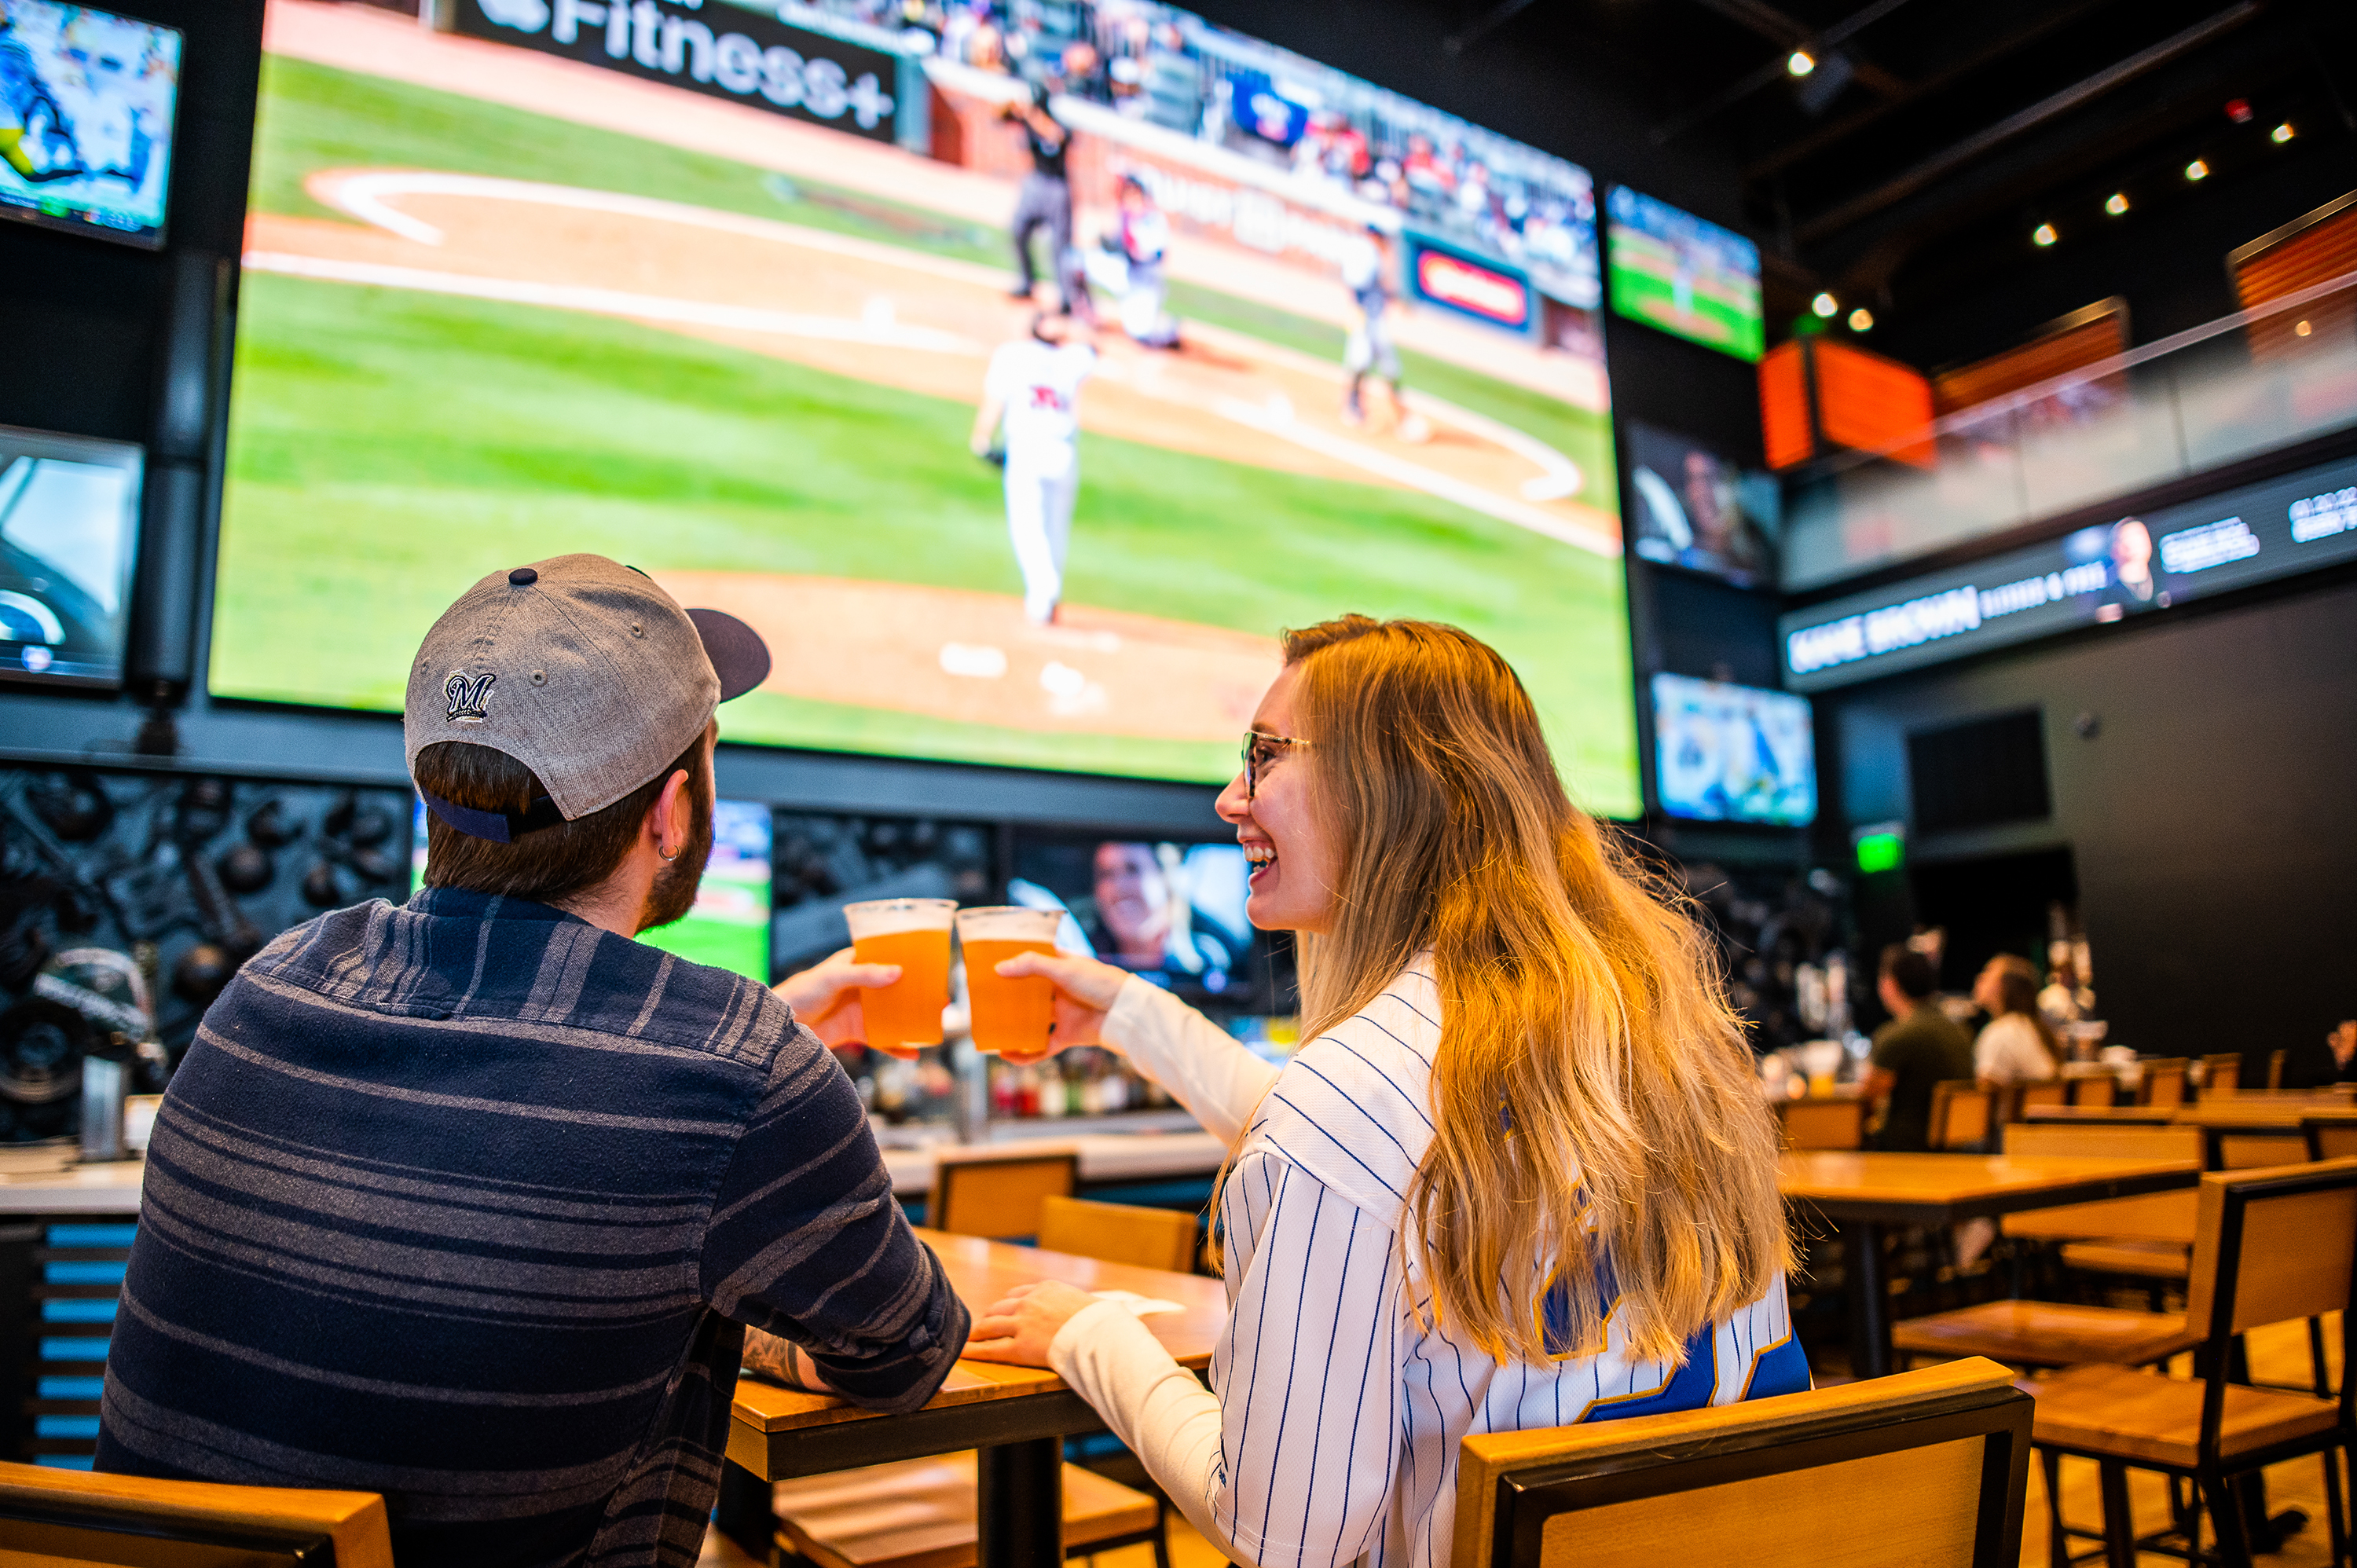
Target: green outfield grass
{"x": 723, "y": 944}
{"x": 389, "y": 448}
{"x": 1727, "y": 305}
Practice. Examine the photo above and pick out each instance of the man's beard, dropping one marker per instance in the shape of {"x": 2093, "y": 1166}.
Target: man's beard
{"x": 673, "y": 893}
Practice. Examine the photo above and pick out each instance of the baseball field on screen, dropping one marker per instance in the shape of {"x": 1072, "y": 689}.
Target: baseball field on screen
{"x": 392, "y": 443}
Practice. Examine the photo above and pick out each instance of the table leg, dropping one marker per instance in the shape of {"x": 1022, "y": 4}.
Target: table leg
{"x": 746, "y": 1514}
{"x": 1869, "y": 1299}
{"x": 1021, "y": 1504}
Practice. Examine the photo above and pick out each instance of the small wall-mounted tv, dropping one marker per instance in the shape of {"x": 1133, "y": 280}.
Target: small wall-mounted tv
{"x": 1733, "y": 754}
{"x": 1672, "y": 269}
{"x": 1692, "y": 508}
{"x": 86, "y": 113}
{"x": 69, "y": 537}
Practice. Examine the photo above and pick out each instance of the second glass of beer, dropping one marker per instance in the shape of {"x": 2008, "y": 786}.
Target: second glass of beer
{"x": 1010, "y": 1016}
{"x": 915, "y": 934}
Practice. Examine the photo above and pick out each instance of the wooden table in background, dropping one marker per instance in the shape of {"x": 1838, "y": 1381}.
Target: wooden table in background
{"x": 1017, "y": 1417}
{"x": 1864, "y": 1192}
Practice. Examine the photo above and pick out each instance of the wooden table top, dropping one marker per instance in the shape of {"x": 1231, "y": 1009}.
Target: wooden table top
{"x": 2259, "y": 1110}
{"x": 1840, "y": 1180}
{"x": 981, "y": 1271}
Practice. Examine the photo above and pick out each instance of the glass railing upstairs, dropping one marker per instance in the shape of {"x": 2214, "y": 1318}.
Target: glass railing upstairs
{"x": 2263, "y": 380}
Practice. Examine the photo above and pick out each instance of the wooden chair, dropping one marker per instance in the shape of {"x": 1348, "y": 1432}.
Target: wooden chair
{"x": 2275, "y": 1070}
{"x": 2164, "y": 1082}
{"x": 1120, "y": 1233}
{"x": 920, "y": 1513}
{"x": 1964, "y": 1114}
{"x": 2252, "y": 1148}
{"x": 2097, "y": 1090}
{"x": 2270, "y": 1246}
{"x": 997, "y": 1195}
{"x": 2221, "y": 1075}
{"x": 2330, "y": 1137}
{"x": 74, "y": 1517}
{"x": 2030, "y": 1098}
{"x": 1822, "y": 1123}
{"x": 2058, "y": 1334}
{"x": 1924, "y": 1467}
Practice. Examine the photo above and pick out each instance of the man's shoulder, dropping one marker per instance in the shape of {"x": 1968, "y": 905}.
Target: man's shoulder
{"x": 457, "y": 956}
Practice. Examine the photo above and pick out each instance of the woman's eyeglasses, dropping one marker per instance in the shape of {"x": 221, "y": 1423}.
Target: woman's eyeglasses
{"x": 1260, "y": 750}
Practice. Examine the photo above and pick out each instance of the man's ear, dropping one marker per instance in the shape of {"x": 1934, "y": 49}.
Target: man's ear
{"x": 668, "y": 818}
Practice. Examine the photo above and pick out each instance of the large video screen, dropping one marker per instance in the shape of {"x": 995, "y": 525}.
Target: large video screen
{"x": 69, "y": 540}
{"x": 722, "y": 296}
{"x": 1672, "y": 269}
{"x": 86, "y": 102}
{"x": 1736, "y": 754}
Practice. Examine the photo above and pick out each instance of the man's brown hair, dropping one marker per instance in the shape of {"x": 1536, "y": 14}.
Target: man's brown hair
{"x": 547, "y": 867}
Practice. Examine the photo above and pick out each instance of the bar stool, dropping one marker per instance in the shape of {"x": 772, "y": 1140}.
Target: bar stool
{"x": 75, "y": 1517}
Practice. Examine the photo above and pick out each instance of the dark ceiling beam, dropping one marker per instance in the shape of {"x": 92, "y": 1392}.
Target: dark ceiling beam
{"x": 1790, "y": 33}
{"x": 1981, "y": 143}
{"x": 1850, "y": 124}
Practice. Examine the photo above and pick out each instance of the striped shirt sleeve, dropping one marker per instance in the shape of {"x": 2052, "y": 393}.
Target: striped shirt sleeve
{"x": 807, "y": 1242}
{"x": 1308, "y": 1413}
{"x": 1201, "y": 1064}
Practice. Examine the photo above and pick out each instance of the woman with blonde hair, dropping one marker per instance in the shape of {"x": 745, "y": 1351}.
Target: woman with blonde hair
{"x": 1521, "y": 1175}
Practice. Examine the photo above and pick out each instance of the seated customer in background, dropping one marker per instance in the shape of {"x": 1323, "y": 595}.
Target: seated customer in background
{"x": 467, "y": 1202}
{"x": 1920, "y": 1047}
{"x": 2017, "y": 1044}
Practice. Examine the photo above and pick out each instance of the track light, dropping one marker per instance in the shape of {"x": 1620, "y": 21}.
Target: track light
{"x": 1800, "y": 62}
{"x": 2116, "y": 203}
{"x": 2197, "y": 169}
{"x": 2043, "y": 235}
{"x": 1825, "y": 305}
{"x": 1861, "y": 319}
{"x": 2281, "y": 134}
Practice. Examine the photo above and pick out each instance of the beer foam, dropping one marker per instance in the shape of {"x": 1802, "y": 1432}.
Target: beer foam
{"x": 1008, "y": 923}
{"x": 882, "y": 916}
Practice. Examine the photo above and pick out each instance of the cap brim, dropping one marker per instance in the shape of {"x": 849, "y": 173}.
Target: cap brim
{"x": 739, "y": 655}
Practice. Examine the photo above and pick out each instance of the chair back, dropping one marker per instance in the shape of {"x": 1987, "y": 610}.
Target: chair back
{"x": 1119, "y": 1233}
{"x": 2272, "y": 1245}
{"x": 2154, "y": 1216}
{"x": 2275, "y": 1070}
{"x": 997, "y": 1195}
{"x": 1822, "y": 1123}
{"x": 2254, "y": 1148}
{"x": 2164, "y": 1082}
{"x": 2032, "y": 1096}
{"x": 2330, "y": 1137}
{"x": 74, "y": 1516}
{"x": 2097, "y": 1090}
{"x": 1963, "y": 1113}
{"x": 2221, "y": 1075}
{"x": 1924, "y": 1468}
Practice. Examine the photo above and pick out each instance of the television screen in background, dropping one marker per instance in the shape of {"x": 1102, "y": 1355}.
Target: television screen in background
{"x": 1672, "y": 269}
{"x": 86, "y": 103}
{"x": 1172, "y": 913}
{"x": 730, "y": 925}
{"x": 68, "y": 539}
{"x": 1689, "y": 507}
{"x": 717, "y": 293}
{"x": 1734, "y": 754}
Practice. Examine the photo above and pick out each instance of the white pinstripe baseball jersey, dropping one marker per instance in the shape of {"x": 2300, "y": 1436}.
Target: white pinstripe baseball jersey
{"x": 1334, "y": 1431}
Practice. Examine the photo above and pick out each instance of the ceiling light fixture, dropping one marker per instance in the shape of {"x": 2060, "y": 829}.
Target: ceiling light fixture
{"x": 2116, "y": 203}
{"x": 2043, "y": 235}
{"x": 2197, "y": 169}
{"x": 1800, "y": 62}
{"x": 2302, "y": 330}
{"x": 1825, "y": 305}
{"x": 1862, "y": 320}
{"x": 2281, "y": 134}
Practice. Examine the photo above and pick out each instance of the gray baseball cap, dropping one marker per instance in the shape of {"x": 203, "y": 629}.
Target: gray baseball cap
{"x": 583, "y": 670}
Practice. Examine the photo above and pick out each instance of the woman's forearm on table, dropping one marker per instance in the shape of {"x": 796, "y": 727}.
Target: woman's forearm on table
{"x": 1218, "y": 1080}
{"x": 1152, "y": 1403}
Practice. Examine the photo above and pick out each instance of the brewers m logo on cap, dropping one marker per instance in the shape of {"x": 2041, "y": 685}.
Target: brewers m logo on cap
{"x": 467, "y": 698}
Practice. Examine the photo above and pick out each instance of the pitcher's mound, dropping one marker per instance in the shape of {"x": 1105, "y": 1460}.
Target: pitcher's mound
{"x": 953, "y": 653}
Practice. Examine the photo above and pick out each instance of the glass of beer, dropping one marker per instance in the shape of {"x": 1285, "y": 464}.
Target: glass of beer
{"x": 1010, "y": 1016}
{"x": 915, "y": 934}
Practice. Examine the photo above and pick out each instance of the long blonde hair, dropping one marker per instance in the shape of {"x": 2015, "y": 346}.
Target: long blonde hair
{"x": 1593, "y": 1100}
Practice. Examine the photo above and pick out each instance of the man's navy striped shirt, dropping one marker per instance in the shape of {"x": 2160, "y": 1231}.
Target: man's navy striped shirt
{"x": 465, "y": 1203}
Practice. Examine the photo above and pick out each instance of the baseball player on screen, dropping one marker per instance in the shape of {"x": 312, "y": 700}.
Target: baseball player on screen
{"x": 1366, "y": 269}
{"x": 1129, "y": 264}
{"x": 1030, "y": 418}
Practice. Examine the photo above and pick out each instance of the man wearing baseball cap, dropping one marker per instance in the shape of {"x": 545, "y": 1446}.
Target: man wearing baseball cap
{"x": 472, "y": 1202}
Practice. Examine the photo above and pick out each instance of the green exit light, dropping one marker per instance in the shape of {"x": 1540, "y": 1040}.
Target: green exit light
{"x": 1881, "y": 851}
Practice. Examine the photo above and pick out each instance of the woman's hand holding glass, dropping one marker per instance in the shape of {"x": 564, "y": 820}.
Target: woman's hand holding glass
{"x": 1085, "y": 992}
